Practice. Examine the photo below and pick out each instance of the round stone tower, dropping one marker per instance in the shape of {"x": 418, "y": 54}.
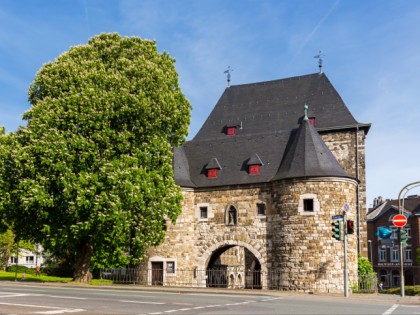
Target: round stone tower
{"x": 311, "y": 188}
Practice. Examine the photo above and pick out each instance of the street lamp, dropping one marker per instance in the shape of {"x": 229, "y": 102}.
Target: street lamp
{"x": 401, "y": 210}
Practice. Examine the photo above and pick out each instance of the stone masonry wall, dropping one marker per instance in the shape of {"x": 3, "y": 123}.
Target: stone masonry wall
{"x": 299, "y": 244}
{"x": 302, "y": 243}
{"x": 343, "y": 146}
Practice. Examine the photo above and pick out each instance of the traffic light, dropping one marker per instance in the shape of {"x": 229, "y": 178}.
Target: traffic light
{"x": 337, "y": 230}
{"x": 350, "y": 227}
{"x": 402, "y": 237}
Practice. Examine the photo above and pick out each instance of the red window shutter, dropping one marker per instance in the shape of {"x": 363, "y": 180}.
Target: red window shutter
{"x": 254, "y": 169}
{"x": 231, "y": 131}
{"x": 212, "y": 173}
{"x": 312, "y": 121}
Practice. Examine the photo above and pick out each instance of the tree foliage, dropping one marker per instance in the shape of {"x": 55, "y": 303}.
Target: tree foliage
{"x": 364, "y": 267}
{"x": 95, "y": 161}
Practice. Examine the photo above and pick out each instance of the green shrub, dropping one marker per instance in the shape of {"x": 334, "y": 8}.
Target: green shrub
{"x": 21, "y": 269}
{"x": 409, "y": 290}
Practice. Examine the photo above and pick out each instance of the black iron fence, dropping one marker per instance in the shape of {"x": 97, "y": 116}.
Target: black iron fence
{"x": 237, "y": 278}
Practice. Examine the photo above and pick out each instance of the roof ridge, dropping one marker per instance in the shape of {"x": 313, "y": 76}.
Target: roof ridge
{"x": 276, "y": 80}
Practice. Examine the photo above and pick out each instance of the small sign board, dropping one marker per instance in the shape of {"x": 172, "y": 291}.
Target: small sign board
{"x": 337, "y": 217}
{"x": 399, "y": 220}
{"x": 346, "y": 207}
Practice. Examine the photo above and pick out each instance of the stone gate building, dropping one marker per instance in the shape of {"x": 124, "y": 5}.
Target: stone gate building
{"x": 261, "y": 181}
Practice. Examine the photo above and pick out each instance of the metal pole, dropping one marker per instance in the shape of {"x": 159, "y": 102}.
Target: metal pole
{"x": 346, "y": 285}
{"x": 401, "y": 210}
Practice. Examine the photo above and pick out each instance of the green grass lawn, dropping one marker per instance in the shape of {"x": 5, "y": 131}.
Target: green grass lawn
{"x": 10, "y": 276}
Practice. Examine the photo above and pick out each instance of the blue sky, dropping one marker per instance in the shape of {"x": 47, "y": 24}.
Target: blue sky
{"x": 371, "y": 56}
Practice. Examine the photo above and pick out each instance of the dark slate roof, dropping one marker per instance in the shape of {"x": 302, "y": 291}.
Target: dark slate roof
{"x": 276, "y": 105}
{"x": 181, "y": 168}
{"x": 308, "y": 156}
{"x": 255, "y": 160}
{"x": 267, "y": 115}
{"x": 411, "y": 208}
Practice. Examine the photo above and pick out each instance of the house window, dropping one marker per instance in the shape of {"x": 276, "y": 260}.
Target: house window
{"x": 170, "y": 267}
{"x": 203, "y": 213}
{"x": 308, "y": 205}
{"x": 260, "y": 209}
{"x": 13, "y": 260}
{"x": 395, "y": 257}
{"x": 382, "y": 254}
{"x": 212, "y": 173}
{"x": 29, "y": 259}
{"x": 254, "y": 169}
{"x": 408, "y": 254}
{"x": 230, "y": 131}
{"x": 231, "y": 216}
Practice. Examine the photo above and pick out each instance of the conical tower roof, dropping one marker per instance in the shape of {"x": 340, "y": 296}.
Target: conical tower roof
{"x": 308, "y": 156}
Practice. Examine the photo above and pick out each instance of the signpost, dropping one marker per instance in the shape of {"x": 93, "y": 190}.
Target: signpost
{"x": 399, "y": 220}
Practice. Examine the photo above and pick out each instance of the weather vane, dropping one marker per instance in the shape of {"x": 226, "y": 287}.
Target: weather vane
{"x": 320, "y": 60}
{"x": 228, "y": 71}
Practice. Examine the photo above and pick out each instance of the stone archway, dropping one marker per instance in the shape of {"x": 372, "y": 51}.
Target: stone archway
{"x": 233, "y": 264}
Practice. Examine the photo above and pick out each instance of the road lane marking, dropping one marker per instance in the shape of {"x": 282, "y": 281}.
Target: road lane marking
{"x": 139, "y": 302}
{"x": 390, "y": 310}
{"x": 67, "y": 297}
{"x": 13, "y": 295}
{"x": 61, "y": 311}
{"x": 57, "y": 310}
{"x": 264, "y": 299}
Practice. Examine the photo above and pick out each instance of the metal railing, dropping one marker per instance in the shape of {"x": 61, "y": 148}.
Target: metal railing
{"x": 237, "y": 278}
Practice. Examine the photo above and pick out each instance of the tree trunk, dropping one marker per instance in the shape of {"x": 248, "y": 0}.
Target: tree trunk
{"x": 81, "y": 272}
{"x": 6, "y": 257}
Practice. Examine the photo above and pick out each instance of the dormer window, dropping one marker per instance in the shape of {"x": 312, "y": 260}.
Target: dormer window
{"x": 212, "y": 173}
{"x": 212, "y": 168}
{"x": 254, "y": 165}
{"x": 231, "y": 130}
{"x": 312, "y": 121}
{"x": 254, "y": 169}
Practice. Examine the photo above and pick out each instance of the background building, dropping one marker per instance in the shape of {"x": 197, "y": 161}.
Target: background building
{"x": 384, "y": 253}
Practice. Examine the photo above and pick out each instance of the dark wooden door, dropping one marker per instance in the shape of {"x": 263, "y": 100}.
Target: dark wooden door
{"x": 157, "y": 273}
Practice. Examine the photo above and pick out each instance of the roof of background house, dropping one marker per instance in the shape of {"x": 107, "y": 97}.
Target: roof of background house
{"x": 411, "y": 207}
{"x": 267, "y": 117}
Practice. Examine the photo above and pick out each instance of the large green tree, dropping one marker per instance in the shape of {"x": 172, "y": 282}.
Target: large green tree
{"x": 95, "y": 159}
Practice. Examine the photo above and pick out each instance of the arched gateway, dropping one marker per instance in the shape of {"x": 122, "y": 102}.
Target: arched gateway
{"x": 233, "y": 264}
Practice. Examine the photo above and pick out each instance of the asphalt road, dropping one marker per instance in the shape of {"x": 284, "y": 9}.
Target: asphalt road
{"x": 23, "y": 298}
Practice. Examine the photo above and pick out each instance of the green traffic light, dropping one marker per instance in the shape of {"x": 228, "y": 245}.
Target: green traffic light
{"x": 337, "y": 231}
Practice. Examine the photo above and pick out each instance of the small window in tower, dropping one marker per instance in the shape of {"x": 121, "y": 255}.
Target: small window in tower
{"x": 203, "y": 213}
{"x": 308, "y": 205}
{"x": 230, "y": 131}
{"x": 260, "y": 209}
{"x": 254, "y": 169}
{"x": 212, "y": 173}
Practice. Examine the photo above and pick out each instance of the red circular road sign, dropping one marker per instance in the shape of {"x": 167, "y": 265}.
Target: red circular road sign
{"x": 399, "y": 220}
